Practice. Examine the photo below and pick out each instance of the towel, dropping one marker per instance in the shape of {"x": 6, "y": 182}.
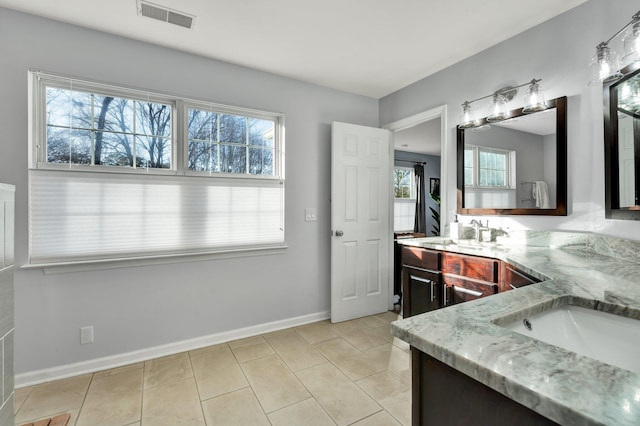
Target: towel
{"x": 541, "y": 194}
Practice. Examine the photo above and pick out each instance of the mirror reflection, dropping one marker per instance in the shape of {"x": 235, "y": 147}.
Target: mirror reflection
{"x": 515, "y": 167}
{"x": 512, "y": 164}
{"x": 628, "y": 116}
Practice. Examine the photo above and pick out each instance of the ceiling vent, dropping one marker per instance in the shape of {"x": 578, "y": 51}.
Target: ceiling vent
{"x": 164, "y": 14}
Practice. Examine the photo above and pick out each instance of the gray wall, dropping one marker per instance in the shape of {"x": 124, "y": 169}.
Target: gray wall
{"x": 141, "y": 307}
{"x": 431, "y": 169}
{"x": 557, "y": 51}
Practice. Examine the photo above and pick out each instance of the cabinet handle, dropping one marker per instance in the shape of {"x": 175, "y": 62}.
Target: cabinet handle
{"x": 467, "y": 291}
{"x": 432, "y": 292}
{"x": 422, "y": 280}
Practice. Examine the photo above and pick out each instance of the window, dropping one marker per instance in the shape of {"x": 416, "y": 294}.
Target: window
{"x": 97, "y": 129}
{"x": 403, "y": 183}
{"x": 113, "y": 178}
{"x": 404, "y": 206}
{"x": 488, "y": 167}
{"x": 229, "y": 143}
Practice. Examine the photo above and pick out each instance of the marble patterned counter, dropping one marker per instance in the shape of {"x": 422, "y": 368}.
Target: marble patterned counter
{"x": 570, "y": 389}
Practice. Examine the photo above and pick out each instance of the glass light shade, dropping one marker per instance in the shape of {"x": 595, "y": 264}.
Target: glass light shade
{"x": 534, "y": 99}
{"x": 605, "y": 66}
{"x": 629, "y": 95}
{"x": 631, "y": 43}
{"x": 498, "y": 108}
{"x": 467, "y": 118}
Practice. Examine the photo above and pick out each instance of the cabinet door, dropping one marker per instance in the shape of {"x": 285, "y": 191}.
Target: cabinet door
{"x": 465, "y": 289}
{"x": 422, "y": 291}
{"x": 512, "y": 277}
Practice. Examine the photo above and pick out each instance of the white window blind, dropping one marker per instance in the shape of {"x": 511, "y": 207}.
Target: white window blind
{"x": 78, "y": 216}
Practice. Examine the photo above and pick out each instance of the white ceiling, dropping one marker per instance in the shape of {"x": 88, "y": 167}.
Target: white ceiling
{"x": 423, "y": 138}
{"x": 367, "y": 47}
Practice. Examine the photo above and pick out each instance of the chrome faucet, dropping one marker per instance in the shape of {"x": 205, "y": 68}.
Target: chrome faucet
{"x": 476, "y": 228}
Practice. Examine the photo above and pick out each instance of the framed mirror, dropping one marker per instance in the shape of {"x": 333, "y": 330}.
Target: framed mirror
{"x": 622, "y": 148}
{"x": 516, "y": 166}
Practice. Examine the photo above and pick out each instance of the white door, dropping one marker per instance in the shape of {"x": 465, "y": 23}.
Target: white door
{"x": 360, "y": 221}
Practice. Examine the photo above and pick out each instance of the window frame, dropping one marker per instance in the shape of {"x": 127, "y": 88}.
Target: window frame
{"x": 412, "y": 184}
{"x": 509, "y": 167}
{"x": 278, "y": 137}
{"x": 40, "y": 80}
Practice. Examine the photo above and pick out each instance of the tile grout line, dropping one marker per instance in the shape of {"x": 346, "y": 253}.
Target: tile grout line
{"x": 204, "y": 417}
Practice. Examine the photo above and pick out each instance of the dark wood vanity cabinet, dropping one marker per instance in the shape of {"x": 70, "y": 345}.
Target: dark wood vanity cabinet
{"x": 513, "y": 277}
{"x": 442, "y": 395}
{"x": 421, "y": 281}
{"x": 468, "y": 277}
{"x": 432, "y": 279}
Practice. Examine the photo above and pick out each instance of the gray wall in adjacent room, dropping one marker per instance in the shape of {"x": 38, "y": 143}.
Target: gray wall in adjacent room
{"x": 141, "y": 307}
{"x": 557, "y": 51}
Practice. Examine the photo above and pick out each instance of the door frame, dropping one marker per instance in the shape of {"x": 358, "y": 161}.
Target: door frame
{"x": 406, "y": 123}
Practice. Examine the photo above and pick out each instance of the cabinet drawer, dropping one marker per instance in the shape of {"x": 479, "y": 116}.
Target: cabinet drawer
{"x": 513, "y": 277}
{"x": 480, "y": 268}
{"x": 421, "y": 258}
{"x": 464, "y": 289}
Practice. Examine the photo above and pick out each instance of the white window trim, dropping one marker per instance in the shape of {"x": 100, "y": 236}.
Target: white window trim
{"x": 37, "y": 137}
{"x": 510, "y": 172}
{"x": 412, "y": 184}
{"x": 37, "y": 117}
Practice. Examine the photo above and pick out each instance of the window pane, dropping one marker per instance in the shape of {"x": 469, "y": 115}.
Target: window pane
{"x": 114, "y": 114}
{"x": 260, "y": 161}
{"x": 116, "y": 150}
{"x": 468, "y": 175}
{"x": 153, "y": 152}
{"x": 233, "y": 128}
{"x": 153, "y": 119}
{"x": 233, "y": 159}
{"x": 203, "y": 156}
{"x": 68, "y": 146}
{"x": 202, "y": 125}
{"x": 261, "y": 132}
{"x": 483, "y": 178}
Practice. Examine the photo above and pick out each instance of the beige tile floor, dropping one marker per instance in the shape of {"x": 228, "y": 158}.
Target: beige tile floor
{"x": 350, "y": 373}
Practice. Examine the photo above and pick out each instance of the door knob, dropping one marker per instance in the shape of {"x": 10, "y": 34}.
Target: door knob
{"x": 339, "y": 233}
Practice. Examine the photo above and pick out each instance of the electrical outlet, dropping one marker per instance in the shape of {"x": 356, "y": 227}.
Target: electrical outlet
{"x": 86, "y": 335}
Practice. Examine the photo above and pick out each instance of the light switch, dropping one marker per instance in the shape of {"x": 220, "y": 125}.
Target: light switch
{"x": 310, "y": 214}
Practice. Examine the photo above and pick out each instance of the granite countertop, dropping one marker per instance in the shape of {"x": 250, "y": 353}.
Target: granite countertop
{"x": 568, "y": 388}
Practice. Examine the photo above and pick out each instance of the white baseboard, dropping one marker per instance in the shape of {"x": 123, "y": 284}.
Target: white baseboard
{"x": 84, "y": 367}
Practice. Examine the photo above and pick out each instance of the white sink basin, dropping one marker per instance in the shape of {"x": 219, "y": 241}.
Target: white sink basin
{"x": 609, "y": 338}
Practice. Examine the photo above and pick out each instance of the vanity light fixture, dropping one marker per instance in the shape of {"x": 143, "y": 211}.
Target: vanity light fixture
{"x": 498, "y": 111}
{"x": 605, "y": 64}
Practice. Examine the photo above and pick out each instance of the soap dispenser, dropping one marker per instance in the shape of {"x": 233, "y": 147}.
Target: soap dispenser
{"x": 456, "y": 229}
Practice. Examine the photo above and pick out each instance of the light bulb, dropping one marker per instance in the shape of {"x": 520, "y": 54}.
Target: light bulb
{"x": 498, "y": 108}
{"x": 467, "y": 118}
{"x": 534, "y": 99}
{"x": 605, "y": 65}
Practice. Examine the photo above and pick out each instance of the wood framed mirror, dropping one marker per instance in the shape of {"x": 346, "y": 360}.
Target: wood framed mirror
{"x": 516, "y": 166}
{"x": 622, "y": 148}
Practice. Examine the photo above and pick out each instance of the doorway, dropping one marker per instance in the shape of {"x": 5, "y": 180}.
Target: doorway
{"x": 418, "y": 140}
